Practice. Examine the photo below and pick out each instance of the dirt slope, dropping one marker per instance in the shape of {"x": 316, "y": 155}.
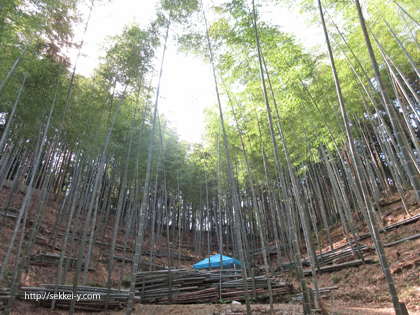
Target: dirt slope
{"x": 362, "y": 290}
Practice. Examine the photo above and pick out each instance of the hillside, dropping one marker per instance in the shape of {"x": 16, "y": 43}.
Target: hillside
{"x": 361, "y": 290}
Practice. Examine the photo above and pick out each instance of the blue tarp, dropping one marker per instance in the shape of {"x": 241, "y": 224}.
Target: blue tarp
{"x": 228, "y": 262}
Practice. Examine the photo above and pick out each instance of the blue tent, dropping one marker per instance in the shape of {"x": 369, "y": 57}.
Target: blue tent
{"x": 228, "y": 262}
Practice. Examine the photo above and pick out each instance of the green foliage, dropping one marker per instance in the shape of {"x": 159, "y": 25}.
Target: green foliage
{"x": 302, "y": 83}
{"x": 129, "y": 56}
{"x": 180, "y": 9}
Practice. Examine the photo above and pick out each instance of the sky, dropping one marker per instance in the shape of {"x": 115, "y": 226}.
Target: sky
{"x": 187, "y": 86}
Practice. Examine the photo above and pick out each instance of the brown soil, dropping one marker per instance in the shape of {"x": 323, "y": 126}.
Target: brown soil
{"x": 210, "y": 309}
{"x": 361, "y": 290}
{"x": 365, "y": 286}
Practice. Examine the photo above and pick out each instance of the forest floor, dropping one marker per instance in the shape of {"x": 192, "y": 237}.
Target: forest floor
{"x": 366, "y": 286}
{"x": 361, "y": 290}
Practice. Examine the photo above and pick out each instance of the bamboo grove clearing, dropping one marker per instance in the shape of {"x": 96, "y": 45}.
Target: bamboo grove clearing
{"x": 93, "y": 179}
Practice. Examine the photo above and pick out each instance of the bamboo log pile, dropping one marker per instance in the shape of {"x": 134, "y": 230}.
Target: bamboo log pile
{"x": 166, "y": 254}
{"x": 43, "y": 241}
{"x": 14, "y": 210}
{"x": 8, "y": 215}
{"x": 231, "y": 290}
{"x": 234, "y": 289}
{"x": 155, "y": 284}
{"x": 13, "y": 216}
{"x": 90, "y": 298}
{"x": 329, "y": 257}
{"x": 9, "y": 212}
{"x": 117, "y": 247}
{"x": 338, "y": 253}
{"x": 143, "y": 264}
{"x": 194, "y": 286}
{"x": 354, "y": 263}
{"x": 393, "y": 226}
{"x": 118, "y": 258}
{"x": 146, "y": 265}
{"x": 270, "y": 249}
{"x": 52, "y": 259}
{"x": 200, "y": 296}
{"x": 4, "y": 297}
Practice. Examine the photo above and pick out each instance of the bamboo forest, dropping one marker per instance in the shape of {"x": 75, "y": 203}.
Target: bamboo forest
{"x": 302, "y": 195}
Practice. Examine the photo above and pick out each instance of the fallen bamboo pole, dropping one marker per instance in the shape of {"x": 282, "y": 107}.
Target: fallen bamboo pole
{"x": 354, "y": 263}
{"x": 413, "y": 237}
